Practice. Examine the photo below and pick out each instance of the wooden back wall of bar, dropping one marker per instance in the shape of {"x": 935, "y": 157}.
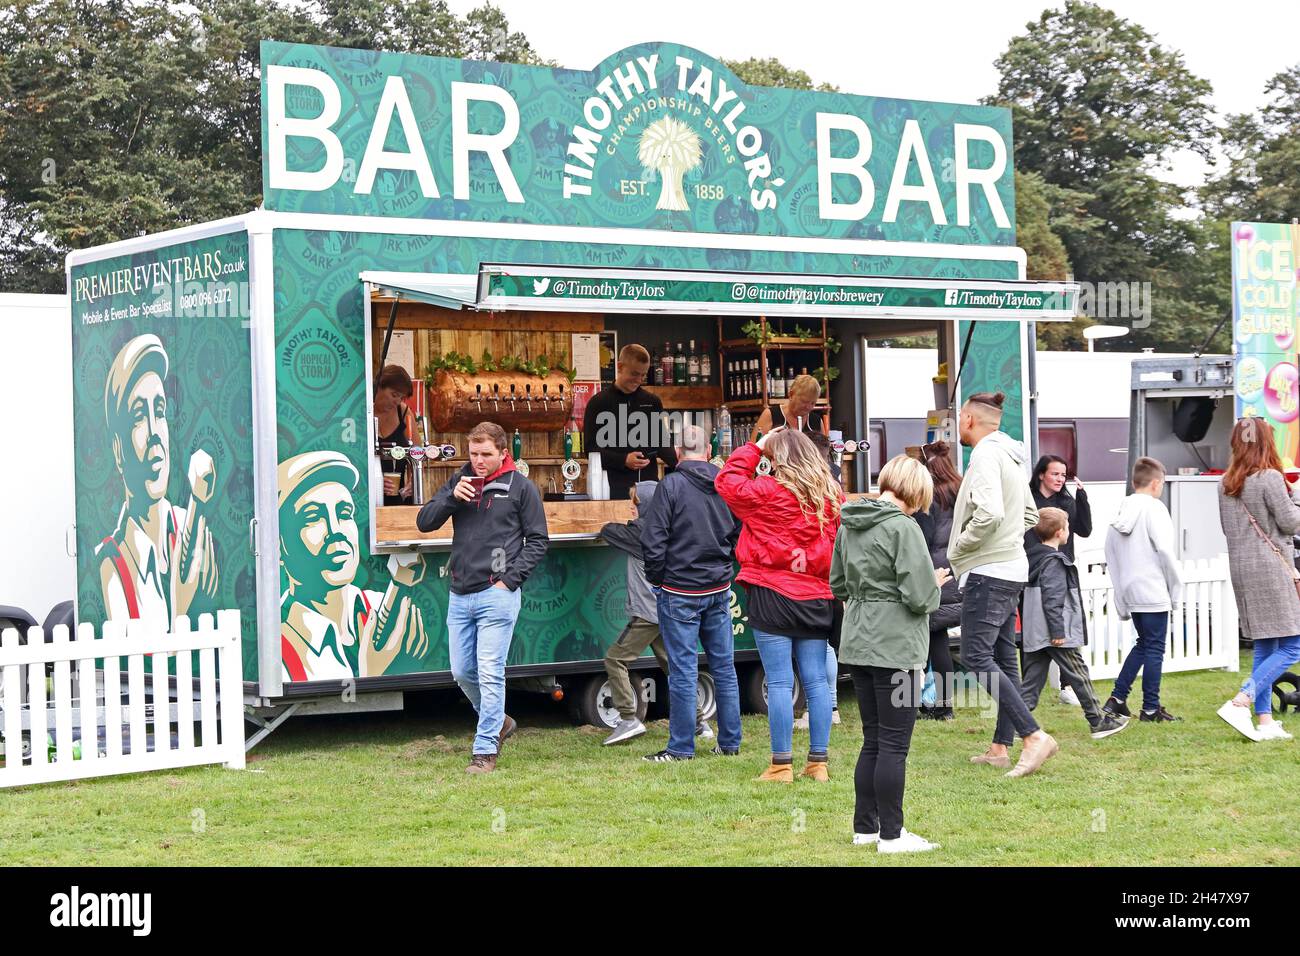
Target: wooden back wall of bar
{"x": 525, "y": 335}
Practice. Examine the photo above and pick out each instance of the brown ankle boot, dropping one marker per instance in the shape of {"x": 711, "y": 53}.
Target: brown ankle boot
{"x": 816, "y": 770}
{"x": 778, "y": 773}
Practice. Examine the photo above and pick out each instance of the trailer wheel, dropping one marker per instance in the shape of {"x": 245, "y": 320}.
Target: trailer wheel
{"x": 1287, "y": 691}
{"x": 592, "y": 703}
{"x": 753, "y": 688}
{"x": 706, "y": 695}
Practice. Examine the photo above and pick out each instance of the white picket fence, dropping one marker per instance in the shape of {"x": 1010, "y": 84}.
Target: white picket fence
{"x": 98, "y": 730}
{"x": 1202, "y": 633}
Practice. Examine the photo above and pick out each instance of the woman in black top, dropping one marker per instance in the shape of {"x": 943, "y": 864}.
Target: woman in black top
{"x": 396, "y": 427}
{"x": 936, "y": 525}
{"x": 1048, "y": 486}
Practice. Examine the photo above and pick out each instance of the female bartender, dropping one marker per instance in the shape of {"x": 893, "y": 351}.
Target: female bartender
{"x": 396, "y": 427}
{"x": 804, "y": 392}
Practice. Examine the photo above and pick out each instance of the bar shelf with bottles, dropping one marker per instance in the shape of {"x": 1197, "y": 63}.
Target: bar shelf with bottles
{"x": 756, "y": 372}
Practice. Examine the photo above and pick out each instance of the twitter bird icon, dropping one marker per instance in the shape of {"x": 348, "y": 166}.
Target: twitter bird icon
{"x": 540, "y": 286}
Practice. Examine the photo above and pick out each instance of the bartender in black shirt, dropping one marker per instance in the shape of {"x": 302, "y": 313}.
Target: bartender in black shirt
{"x": 625, "y": 423}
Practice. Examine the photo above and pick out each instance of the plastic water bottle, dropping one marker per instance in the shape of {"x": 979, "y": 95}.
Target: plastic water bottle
{"x": 724, "y": 431}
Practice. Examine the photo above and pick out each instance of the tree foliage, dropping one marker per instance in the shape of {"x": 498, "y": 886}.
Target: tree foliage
{"x": 125, "y": 117}
{"x": 772, "y": 72}
{"x": 1099, "y": 109}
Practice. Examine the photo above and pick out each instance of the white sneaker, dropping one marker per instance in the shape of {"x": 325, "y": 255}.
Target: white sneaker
{"x": 704, "y": 730}
{"x": 1068, "y": 696}
{"x": 835, "y": 716}
{"x": 802, "y": 722}
{"x": 1239, "y": 719}
{"x": 1273, "y": 731}
{"x": 907, "y": 842}
{"x": 863, "y": 839}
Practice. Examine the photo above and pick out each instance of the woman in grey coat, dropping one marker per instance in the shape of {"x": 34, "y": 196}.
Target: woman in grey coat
{"x": 1259, "y": 518}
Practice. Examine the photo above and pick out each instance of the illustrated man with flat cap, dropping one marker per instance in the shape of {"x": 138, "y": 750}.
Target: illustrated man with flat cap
{"x": 330, "y": 629}
{"x": 159, "y": 557}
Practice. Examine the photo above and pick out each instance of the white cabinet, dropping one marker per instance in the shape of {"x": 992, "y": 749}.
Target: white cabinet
{"x": 1194, "y": 506}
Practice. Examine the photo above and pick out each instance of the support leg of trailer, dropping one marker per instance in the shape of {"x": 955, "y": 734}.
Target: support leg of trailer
{"x": 265, "y": 726}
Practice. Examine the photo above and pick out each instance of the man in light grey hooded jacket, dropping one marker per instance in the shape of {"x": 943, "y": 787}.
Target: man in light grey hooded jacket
{"x": 993, "y": 510}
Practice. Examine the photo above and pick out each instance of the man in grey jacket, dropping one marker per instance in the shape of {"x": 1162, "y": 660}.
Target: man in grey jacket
{"x": 987, "y": 550}
{"x": 642, "y": 628}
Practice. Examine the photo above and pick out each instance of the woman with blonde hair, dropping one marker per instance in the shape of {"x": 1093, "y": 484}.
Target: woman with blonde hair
{"x": 881, "y": 569}
{"x": 789, "y": 519}
{"x": 798, "y": 411}
{"x": 1259, "y": 516}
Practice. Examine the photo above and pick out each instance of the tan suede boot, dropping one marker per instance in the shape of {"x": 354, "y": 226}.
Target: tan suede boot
{"x": 778, "y": 773}
{"x": 816, "y": 770}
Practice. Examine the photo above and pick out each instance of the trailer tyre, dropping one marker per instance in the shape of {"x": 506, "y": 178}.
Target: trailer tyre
{"x": 753, "y": 687}
{"x": 591, "y": 702}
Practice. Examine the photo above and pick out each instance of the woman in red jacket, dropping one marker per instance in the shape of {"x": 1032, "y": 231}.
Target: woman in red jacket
{"x": 788, "y": 524}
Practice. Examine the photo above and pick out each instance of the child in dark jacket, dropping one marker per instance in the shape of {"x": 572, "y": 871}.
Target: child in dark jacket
{"x": 1053, "y": 625}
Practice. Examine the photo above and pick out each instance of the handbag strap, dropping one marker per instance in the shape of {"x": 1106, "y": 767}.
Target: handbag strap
{"x": 1295, "y": 575}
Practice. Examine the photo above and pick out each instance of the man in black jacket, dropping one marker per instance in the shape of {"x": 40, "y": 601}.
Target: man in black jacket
{"x": 499, "y": 535}
{"x": 625, "y": 423}
{"x": 687, "y": 542}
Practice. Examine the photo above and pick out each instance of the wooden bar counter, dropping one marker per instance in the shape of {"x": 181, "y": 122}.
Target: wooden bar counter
{"x": 578, "y": 521}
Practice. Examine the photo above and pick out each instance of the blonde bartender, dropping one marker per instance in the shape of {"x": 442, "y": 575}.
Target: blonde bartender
{"x": 798, "y": 407}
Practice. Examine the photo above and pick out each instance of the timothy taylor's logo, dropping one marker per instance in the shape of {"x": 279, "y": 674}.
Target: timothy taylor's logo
{"x": 679, "y": 116}
{"x": 103, "y": 909}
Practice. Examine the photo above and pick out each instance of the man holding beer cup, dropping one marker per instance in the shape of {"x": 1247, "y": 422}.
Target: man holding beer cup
{"x": 499, "y": 535}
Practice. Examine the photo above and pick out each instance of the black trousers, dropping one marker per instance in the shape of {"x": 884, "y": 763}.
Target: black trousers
{"x": 941, "y": 662}
{"x": 887, "y": 700}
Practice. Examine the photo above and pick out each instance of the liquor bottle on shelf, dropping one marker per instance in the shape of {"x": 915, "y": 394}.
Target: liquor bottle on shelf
{"x": 666, "y": 363}
{"x": 778, "y": 384}
{"x": 679, "y": 366}
{"x": 789, "y": 379}
{"x": 706, "y": 366}
{"x": 693, "y": 366}
{"x": 724, "y": 431}
{"x": 657, "y": 369}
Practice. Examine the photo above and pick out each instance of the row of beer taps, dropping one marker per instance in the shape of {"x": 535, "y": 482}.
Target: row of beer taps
{"x": 545, "y": 399}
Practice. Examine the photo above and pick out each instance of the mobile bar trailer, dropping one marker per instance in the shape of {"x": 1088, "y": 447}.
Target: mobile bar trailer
{"x": 417, "y": 209}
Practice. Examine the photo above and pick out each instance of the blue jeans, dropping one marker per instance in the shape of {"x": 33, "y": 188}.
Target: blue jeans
{"x": 810, "y": 653}
{"x": 832, "y": 674}
{"x": 686, "y": 623}
{"x": 479, "y": 629}
{"x": 1273, "y": 655}
{"x": 1146, "y": 655}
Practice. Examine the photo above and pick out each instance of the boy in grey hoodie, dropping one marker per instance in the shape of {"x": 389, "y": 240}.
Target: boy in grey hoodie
{"x": 1053, "y": 624}
{"x": 1144, "y": 574}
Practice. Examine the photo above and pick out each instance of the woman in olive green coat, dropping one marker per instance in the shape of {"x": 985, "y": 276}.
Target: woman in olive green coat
{"x": 881, "y": 569}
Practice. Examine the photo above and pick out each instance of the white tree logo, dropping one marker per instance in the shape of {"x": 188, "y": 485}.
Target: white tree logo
{"x": 672, "y": 149}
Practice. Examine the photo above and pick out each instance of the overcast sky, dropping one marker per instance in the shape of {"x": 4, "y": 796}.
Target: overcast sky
{"x": 924, "y": 49}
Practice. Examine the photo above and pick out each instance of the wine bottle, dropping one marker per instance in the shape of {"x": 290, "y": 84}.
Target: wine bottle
{"x": 706, "y": 366}
{"x": 679, "y": 366}
{"x": 693, "y": 366}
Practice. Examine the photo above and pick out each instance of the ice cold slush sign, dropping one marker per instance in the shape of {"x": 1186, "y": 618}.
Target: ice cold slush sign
{"x": 657, "y": 136}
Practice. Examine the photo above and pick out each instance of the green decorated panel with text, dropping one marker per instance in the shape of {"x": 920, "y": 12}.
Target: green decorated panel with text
{"x": 162, "y": 402}
{"x": 656, "y": 136}
{"x": 573, "y": 605}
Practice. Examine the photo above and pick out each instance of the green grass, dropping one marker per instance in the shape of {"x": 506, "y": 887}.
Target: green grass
{"x": 391, "y": 789}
